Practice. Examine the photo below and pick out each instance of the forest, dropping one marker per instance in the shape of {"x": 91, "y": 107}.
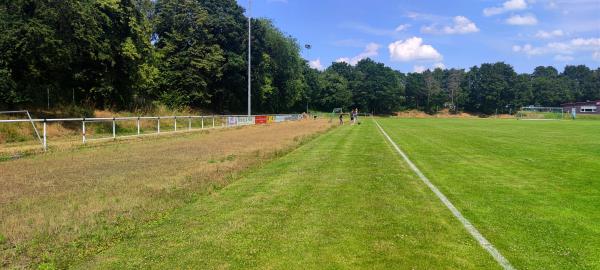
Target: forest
{"x": 136, "y": 54}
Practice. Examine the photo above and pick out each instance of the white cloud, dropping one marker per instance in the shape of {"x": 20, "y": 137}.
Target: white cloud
{"x": 402, "y": 27}
{"x": 563, "y": 58}
{"x": 316, "y": 64}
{"x": 419, "y": 69}
{"x": 562, "y": 48}
{"x": 510, "y": 5}
{"x": 462, "y": 25}
{"x": 413, "y": 49}
{"x": 581, "y": 42}
{"x": 371, "y": 50}
{"x": 375, "y": 31}
{"x": 548, "y": 35}
{"x": 596, "y": 55}
{"x": 439, "y": 65}
{"x": 527, "y": 19}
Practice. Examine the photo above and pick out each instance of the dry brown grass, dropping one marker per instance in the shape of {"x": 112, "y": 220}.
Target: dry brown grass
{"x": 49, "y": 202}
{"x": 444, "y": 114}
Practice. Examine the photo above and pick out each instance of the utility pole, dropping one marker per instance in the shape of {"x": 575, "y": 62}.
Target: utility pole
{"x": 249, "y": 57}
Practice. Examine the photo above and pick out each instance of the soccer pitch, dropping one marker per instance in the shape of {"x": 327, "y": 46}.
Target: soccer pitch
{"x": 347, "y": 200}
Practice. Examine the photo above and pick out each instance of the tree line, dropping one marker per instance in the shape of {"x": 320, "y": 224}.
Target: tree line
{"x": 135, "y": 54}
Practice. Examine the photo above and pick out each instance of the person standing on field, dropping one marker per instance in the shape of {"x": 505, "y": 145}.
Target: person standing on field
{"x": 341, "y": 119}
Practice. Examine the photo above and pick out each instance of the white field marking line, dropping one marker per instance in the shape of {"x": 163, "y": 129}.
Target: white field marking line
{"x": 466, "y": 223}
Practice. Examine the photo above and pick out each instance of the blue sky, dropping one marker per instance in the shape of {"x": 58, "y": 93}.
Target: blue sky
{"x": 416, "y": 35}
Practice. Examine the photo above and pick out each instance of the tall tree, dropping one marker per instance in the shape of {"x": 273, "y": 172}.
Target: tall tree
{"x": 335, "y": 92}
{"x": 190, "y": 62}
{"x": 491, "y": 88}
{"x": 88, "y": 51}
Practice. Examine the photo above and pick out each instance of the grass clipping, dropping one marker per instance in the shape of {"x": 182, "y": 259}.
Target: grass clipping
{"x": 62, "y": 207}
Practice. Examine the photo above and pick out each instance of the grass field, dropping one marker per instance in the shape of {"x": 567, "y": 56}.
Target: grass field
{"x": 530, "y": 187}
{"x": 342, "y": 201}
{"x": 62, "y": 206}
{"x": 346, "y": 200}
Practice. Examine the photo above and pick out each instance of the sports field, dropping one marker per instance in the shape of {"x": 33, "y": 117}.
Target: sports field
{"x": 347, "y": 200}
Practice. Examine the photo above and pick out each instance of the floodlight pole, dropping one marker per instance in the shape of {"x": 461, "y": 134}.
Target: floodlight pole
{"x": 308, "y": 47}
{"x": 249, "y": 57}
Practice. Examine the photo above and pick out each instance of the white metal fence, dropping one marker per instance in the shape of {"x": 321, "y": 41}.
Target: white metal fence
{"x": 204, "y": 123}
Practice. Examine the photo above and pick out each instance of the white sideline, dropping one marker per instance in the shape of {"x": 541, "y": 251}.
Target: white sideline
{"x": 466, "y": 223}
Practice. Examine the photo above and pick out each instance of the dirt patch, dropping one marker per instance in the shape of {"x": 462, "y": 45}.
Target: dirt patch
{"x": 446, "y": 114}
{"x": 52, "y": 200}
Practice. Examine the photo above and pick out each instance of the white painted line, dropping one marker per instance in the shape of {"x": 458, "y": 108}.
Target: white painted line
{"x": 465, "y": 222}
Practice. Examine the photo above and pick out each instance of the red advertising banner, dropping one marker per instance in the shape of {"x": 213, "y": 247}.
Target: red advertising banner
{"x": 260, "y": 120}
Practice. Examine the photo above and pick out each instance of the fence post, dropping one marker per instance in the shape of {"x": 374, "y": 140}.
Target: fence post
{"x": 45, "y": 142}
{"x": 83, "y": 129}
{"x": 213, "y": 120}
{"x": 189, "y": 123}
{"x": 158, "y": 128}
{"x": 202, "y": 118}
{"x": 175, "y": 120}
{"x": 138, "y": 126}
{"x": 114, "y": 122}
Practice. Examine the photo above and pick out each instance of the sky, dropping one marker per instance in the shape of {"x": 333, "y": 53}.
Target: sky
{"x": 412, "y": 35}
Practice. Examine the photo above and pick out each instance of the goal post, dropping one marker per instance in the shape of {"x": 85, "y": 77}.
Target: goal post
{"x": 28, "y": 115}
{"x": 335, "y": 112}
{"x": 541, "y": 113}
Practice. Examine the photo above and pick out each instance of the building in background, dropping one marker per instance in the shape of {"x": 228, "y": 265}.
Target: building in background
{"x": 588, "y": 107}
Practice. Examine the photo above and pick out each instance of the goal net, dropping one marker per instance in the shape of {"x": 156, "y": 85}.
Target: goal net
{"x": 541, "y": 113}
{"x": 335, "y": 113}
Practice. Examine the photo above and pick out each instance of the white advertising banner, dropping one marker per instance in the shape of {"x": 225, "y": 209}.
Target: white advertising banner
{"x": 232, "y": 121}
{"x": 245, "y": 120}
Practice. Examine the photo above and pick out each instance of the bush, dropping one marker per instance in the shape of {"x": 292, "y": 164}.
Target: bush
{"x": 77, "y": 111}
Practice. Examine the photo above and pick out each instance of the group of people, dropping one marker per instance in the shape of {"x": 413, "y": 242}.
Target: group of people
{"x": 353, "y": 117}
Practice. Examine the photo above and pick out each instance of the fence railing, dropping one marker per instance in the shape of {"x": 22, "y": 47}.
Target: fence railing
{"x": 204, "y": 122}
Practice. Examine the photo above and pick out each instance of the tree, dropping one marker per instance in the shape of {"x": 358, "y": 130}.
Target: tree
{"x": 313, "y": 91}
{"x": 227, "y": 28}
{"x": 88, "y": 51}
{"x": 548, "y": 88}
{"x": 279, "y": 82}
{"x": 335, "y": 92}
{"x": 580, "y": 83}
{"x": 491, "y": 88}
{"x": 415, "y": 90}
{"x": 454, "y": 89}
{"x": 190, "y": 62}
{"x": 433, "y": 90}
{"x": 378, "y": 88}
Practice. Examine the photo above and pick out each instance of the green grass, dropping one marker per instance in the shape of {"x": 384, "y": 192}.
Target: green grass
{"x": 342, "y": 201}
{"x": 346, "y": 200}
{"x": 530, "y": 187}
